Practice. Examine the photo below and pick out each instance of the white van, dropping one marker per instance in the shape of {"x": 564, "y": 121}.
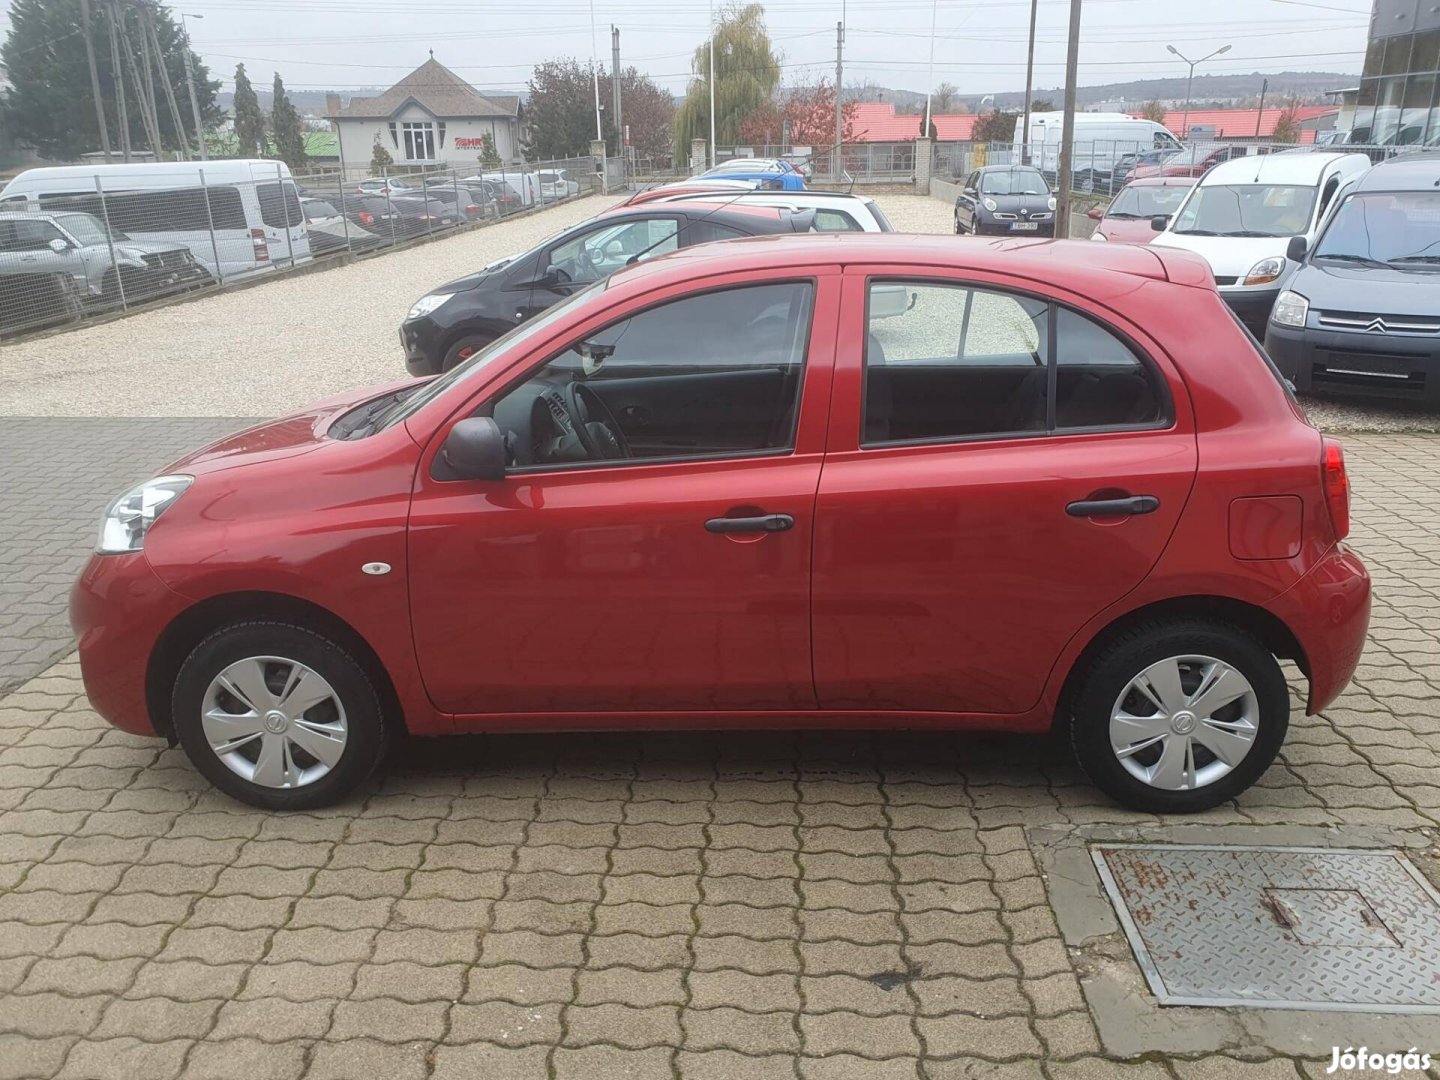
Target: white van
{"x": 238, "y": 218}
{"x": 1101, "y": 140}
{"x": 1243, "y": 212}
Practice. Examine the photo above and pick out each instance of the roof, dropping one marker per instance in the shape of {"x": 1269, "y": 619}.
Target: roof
{"x": 435, "y": 88}
{"x": 1409, "y": 172}
{"x": 1284, "y": 168}
{"x": 1241, "y": 123}
{"x": 876, "y": 121}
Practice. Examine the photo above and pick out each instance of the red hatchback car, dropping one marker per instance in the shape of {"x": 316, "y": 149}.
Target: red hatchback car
{"x": 1127, "y": 218}
{"x": 742, "y": 486}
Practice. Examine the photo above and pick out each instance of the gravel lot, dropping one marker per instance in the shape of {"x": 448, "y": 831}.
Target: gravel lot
{"x": 270, "y": 349}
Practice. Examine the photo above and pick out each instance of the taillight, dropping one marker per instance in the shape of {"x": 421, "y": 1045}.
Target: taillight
{"x": 472, "y": 209}
{"x": 1337, "y": 488}
{"x": 262, "y": 250}
{"x": 367, "y": 218}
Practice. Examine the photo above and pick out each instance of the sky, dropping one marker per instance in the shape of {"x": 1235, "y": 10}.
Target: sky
{"x": 979, "y": 45}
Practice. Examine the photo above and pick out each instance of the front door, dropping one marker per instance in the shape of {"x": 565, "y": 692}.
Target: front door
{"x": 649, "y": 550}
{"x": 954, "y": 557}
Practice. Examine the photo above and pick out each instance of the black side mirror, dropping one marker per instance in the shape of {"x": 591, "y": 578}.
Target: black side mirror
{"x": 1158, "y": 222}
{"x": 1296, "y": 249}
{"x": 474, "y": 450}
{"x": 969, "y": 191}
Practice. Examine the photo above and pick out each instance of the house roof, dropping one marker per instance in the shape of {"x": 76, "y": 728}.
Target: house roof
{"x": 876, "y": 121}
{"x": 1240, "y": 123}
{"x": 435, "y": 88}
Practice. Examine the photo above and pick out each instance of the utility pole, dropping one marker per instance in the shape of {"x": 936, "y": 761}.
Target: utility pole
{"x": 190, "y": 82}
{"x": 934, "y": 15}
{"x": 595, "y": 71}
{"x": 1260, "y": 112}
{"x": 94, "y": 78}
{"x": 837, "y": 154}
{"x": 1029, "y": 86}
{"x": 711, "y": 51}
{"x": 148, "y": 15}
{"x": 615, "y": 92}
{"x": 112, "y": 15}
{"x": 1067, "y": 129}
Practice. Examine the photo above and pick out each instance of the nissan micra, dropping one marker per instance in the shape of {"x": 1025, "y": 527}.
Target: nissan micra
{"x": 1058, "y": 485}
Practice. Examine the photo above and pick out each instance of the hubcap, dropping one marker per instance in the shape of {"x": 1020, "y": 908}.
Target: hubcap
{"x": 1184, "y": 722}
{"x": 274, "y": 722}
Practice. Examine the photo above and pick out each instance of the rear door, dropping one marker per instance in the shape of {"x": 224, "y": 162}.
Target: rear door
{"x": 954, "y": 557}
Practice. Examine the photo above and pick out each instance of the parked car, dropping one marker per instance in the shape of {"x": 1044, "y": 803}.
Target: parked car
{"x": 238, "y": 218}
{"x": 1101, "y": 141}
{"x": 452, "y": 322}
{"x": 101, "y": 266}
{"x": 1242, "y": 214}
{"x": 330, "y": 232}
{"x": 1128, "y": 217}
{"x": 419, "y": 217}
{"x": 1005, "y": 199}
{"x": 835, "y": 211}
{"x": 464, "y": 203}
{"x": 384, "y": 185}
{"x": 695, "y": 186}
{"x": 523, "y": 185}
{"x": 1126, "y": 164}
{"x": 1361, "y": 315}
{"x": 1194, "y": 161}
{"x": 375, "y": 214}
{"x": 768, "y": 172}
{"x": 717, "y": 491}
{"x": 556, "y": 184}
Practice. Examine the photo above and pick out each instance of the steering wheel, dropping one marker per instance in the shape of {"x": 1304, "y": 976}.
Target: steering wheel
{"x": 595, "y": 424}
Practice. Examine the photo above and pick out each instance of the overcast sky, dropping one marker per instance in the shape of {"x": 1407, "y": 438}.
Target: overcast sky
{"x": 979, "y": 44}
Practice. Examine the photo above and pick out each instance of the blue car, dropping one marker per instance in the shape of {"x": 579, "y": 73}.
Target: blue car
{"x": 767, "y": 172}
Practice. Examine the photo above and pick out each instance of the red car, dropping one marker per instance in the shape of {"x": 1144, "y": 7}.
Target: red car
{"x": 1190, "y": 162}
{"x": 1127, "y": 218}
{"x": 853, "y": 481}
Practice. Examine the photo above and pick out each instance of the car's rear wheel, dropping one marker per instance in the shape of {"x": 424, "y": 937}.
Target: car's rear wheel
{"x": 1179, "y": 716}
{"x": 465, "y": 348}
{"x": 278, "y": 716}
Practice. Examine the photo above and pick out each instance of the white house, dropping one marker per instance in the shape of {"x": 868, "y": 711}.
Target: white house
{"x": 430, "y": 117}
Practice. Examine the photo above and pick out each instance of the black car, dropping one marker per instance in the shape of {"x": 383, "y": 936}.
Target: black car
{"x": 1005, "y": 199}
{"x": 419, "y": 216}
{"x": 374, "y": 214}
{"x": 448, "y": 324}
{"x": 470, "y": 204}
{"x": 1361, "y": 315}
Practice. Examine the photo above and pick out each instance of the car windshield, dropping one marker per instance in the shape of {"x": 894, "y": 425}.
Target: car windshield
{"x": 1013, "y": 182}
{"x": 88, "y": 229}
{"x": 1247, "y": 210}
{"x": 482, "y": 357}
{"x": 1401, "y": 228}
{"x": 1147, "y": 202}
{"x": 316, "y": 208}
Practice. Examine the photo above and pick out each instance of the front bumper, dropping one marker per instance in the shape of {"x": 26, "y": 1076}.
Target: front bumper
{"x": 1251, "y": 306}
{"x": 421, "y": 341}
{"x": 1392, "y": 366}
{"x": 118, "y": 610}
{"x": 1328, "y": 611}
{"x": 988, "y": 225}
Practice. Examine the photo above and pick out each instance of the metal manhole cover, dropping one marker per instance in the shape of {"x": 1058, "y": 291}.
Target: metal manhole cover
{"x": 1279, "y": 928}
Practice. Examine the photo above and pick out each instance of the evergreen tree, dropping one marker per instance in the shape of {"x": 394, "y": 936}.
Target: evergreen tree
{"x": 286, "y": 129}
{"x": 489, "y": 156}
{"x": 380, "y": 158}
{"x": 249, "y": 120}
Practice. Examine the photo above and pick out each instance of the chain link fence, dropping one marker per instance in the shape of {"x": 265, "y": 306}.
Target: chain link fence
{"x": 97, "y": 245}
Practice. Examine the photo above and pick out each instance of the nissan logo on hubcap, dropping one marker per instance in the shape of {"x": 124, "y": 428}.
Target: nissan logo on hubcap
{"x": 1182, "y": 723}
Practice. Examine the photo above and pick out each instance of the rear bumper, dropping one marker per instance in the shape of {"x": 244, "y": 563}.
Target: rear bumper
{"x": 1394, "y": 367}
{"x": 1328, "y": 610}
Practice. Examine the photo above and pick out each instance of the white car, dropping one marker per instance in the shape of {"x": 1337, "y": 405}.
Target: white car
{"x": 835, "y": 211}
{"x": 1242, "y": 214}
{"x": 554, "y": 184}
{"x": 383, "y": 185}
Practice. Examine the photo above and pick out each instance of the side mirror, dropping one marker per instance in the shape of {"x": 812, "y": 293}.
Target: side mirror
{"x": 1296, "y": 249}
{"x": 1096, "y": 213}
{"x": 58, "y": 246}
{"x": 1158, "y": 222}
{"x": 969, "y": 191}
{"x": 474, "y": 450}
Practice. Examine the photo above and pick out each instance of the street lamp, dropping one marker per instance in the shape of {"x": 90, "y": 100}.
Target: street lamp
{"x": 1185, "y": 124}
{"x": 190, "y": 82}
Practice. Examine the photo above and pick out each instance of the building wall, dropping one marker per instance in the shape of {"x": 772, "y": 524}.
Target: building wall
{"x": 1399, "y": 99}
{"x": 462, "y": 139}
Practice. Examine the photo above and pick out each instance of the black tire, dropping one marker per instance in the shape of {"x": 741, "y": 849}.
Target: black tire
{"x": 1129, "y": 653}
{"x": 958, "y": 230}
{"x": 367, "y": 732}
{"x": 461, "y": 350}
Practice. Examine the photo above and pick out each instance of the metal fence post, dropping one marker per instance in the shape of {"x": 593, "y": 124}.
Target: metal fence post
{"x": 109, "y": 239}
{"x": 425, "y": 202}
{"x": 285, "y": 213}
{"x": 210, "y": 220}
{"x": 344, "y": 218}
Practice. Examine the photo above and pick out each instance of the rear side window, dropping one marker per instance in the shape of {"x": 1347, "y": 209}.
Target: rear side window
{"x": 173, "y": 210}
{"x": 277, "y": 210}
{"x": 827, "y": 220}
{"x": 949, "y": 362}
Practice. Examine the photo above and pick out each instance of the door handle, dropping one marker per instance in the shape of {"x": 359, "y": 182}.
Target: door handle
{"x": 1131, "y": 504}
{"x": 764, "y": 523}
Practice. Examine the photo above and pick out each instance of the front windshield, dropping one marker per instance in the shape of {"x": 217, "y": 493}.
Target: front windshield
{"x": 1013, "y": 182}
{"x": 88, "y": 229}
{"x": 1397, "y": 227}
{"x": 1247, "y": 210}
{"x": 1148, "y": 202}
{"x": 482, "y": 357}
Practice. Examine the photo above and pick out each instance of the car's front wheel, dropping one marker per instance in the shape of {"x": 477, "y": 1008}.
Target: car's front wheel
{"x": 465, "y": 348}
{"x": 278, "y": 716}
{"x": 1179, "y": 716}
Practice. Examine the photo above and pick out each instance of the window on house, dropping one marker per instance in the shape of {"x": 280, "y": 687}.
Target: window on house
{"x": 419, "y": 140}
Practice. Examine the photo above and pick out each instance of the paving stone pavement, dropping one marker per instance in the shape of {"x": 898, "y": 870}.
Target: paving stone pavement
{"x": 817, "y": 906}
{"x": 59, "y": 474}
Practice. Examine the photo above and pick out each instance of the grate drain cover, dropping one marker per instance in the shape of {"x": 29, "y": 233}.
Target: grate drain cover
{"x": 1280, "y": 928}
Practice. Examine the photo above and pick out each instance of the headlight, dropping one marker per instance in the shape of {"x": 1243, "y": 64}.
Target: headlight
{"x": 1290, "y": 309}
{"x": 989, "y": 204}
{"x": 1097, "y": 235}
{"x": 129, "y": 517}
{"x": 1051, "y": 203}
{"x": 427, "y": 303}
{"x": 1265, "y": 271}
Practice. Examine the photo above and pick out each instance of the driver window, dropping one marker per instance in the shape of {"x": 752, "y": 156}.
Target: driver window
{"x": 602, "y": 251}
{"x": 712, "y": 375}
